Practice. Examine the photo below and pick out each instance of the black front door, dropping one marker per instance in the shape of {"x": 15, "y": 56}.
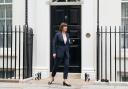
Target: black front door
{"x": 71, "y": 15}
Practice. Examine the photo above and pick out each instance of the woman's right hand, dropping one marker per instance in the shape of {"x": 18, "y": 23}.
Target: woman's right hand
{"x": 54, "y": 55}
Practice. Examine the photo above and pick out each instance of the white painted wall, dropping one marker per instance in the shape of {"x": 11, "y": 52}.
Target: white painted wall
{"x": 18, "y": 12}
{"x": 110, "y": 12}
{"x": 43, "y": 36}
{"x": 32, "y": 23}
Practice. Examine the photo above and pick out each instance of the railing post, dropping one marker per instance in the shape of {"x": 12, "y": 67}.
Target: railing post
{"x": 110, "y": 55}
{"x": 7, "y": 73}
{"x": 98, "y": 53}
{"x": 30, "y": 46}
{"x": 119, "y": 54}
{"x": 98, "y": 66}
{"x": 27, "y": 51}
{"x": 11, "y": 51}
{"x": 19, "y": 48}
{"x": 101, "y": 53}
{"x": 124, "y": 55}
{"x": 15, "y": 49}
{"x": 115, "y": 54}
{"x": 3, "y": 51}
{"x": 24, "y": 52}
{"x": 106, "y": 53}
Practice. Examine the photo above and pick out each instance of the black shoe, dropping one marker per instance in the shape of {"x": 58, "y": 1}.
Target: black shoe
{"x": 50, "y": 82}
{"x": 65, "y": 84}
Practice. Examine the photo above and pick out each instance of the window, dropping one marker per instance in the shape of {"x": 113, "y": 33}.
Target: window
{"x": 124, "y": 22}
{"x": 5, "y": 20}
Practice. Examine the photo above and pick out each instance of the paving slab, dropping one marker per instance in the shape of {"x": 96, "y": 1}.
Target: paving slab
{"x": 76, "y": 83}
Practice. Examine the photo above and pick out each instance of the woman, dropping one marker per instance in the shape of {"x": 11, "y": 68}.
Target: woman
{"x": 61, "y": 52}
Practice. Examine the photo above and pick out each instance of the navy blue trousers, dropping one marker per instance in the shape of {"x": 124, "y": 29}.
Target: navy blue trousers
{"x": 57, "y": 62}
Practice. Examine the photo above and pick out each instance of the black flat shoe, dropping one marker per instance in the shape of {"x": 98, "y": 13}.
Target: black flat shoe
{"x": 65, "y": 84}
{"x": 50, "y": 82}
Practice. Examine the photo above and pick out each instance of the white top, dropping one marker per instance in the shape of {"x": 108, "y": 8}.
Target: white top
{"x": 64, "y": 37}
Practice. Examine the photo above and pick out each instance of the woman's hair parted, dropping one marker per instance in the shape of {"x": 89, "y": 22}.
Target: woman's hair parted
{"x": 63, "y": 24}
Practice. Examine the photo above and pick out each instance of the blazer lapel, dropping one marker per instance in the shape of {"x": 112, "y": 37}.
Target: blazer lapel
{"x": 67, "y": 38}
{"x": 62, "y": 37}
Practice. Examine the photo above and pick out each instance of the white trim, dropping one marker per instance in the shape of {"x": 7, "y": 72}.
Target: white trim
{"x": 124, "y": 17}
{"x": 5, "y": 3}
{"x": 65, "y": 3}
{"x": 124, "y": 1}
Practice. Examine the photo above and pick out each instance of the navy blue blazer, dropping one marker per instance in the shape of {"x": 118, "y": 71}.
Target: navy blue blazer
{"x": 59, "y": 47}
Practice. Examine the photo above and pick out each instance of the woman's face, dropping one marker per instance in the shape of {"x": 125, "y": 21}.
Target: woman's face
{"x": 65, "y": 28}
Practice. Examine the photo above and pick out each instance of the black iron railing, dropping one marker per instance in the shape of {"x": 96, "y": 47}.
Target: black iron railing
{"x": 112, "y": 58}
{"x": 16, "y": 52}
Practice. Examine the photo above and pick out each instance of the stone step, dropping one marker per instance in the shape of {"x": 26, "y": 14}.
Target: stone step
{"x": 70, "y": 75}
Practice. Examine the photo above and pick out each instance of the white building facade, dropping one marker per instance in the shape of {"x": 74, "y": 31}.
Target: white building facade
{"x": 39, "y": 19}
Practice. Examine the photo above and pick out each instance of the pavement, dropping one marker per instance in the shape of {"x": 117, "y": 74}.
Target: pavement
{"x": 76, "y": 83}
{"x": 43, "y": 84}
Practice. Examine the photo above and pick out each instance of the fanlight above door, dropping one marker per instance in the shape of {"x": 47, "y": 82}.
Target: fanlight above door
{"x": 65, "y": 0}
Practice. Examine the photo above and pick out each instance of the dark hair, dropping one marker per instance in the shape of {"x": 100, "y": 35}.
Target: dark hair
{"x": 63, "y": 24}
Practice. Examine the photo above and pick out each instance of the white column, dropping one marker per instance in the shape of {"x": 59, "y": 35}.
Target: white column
{"x": 88, "y": 44}
{"x": 43, "y": 36}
